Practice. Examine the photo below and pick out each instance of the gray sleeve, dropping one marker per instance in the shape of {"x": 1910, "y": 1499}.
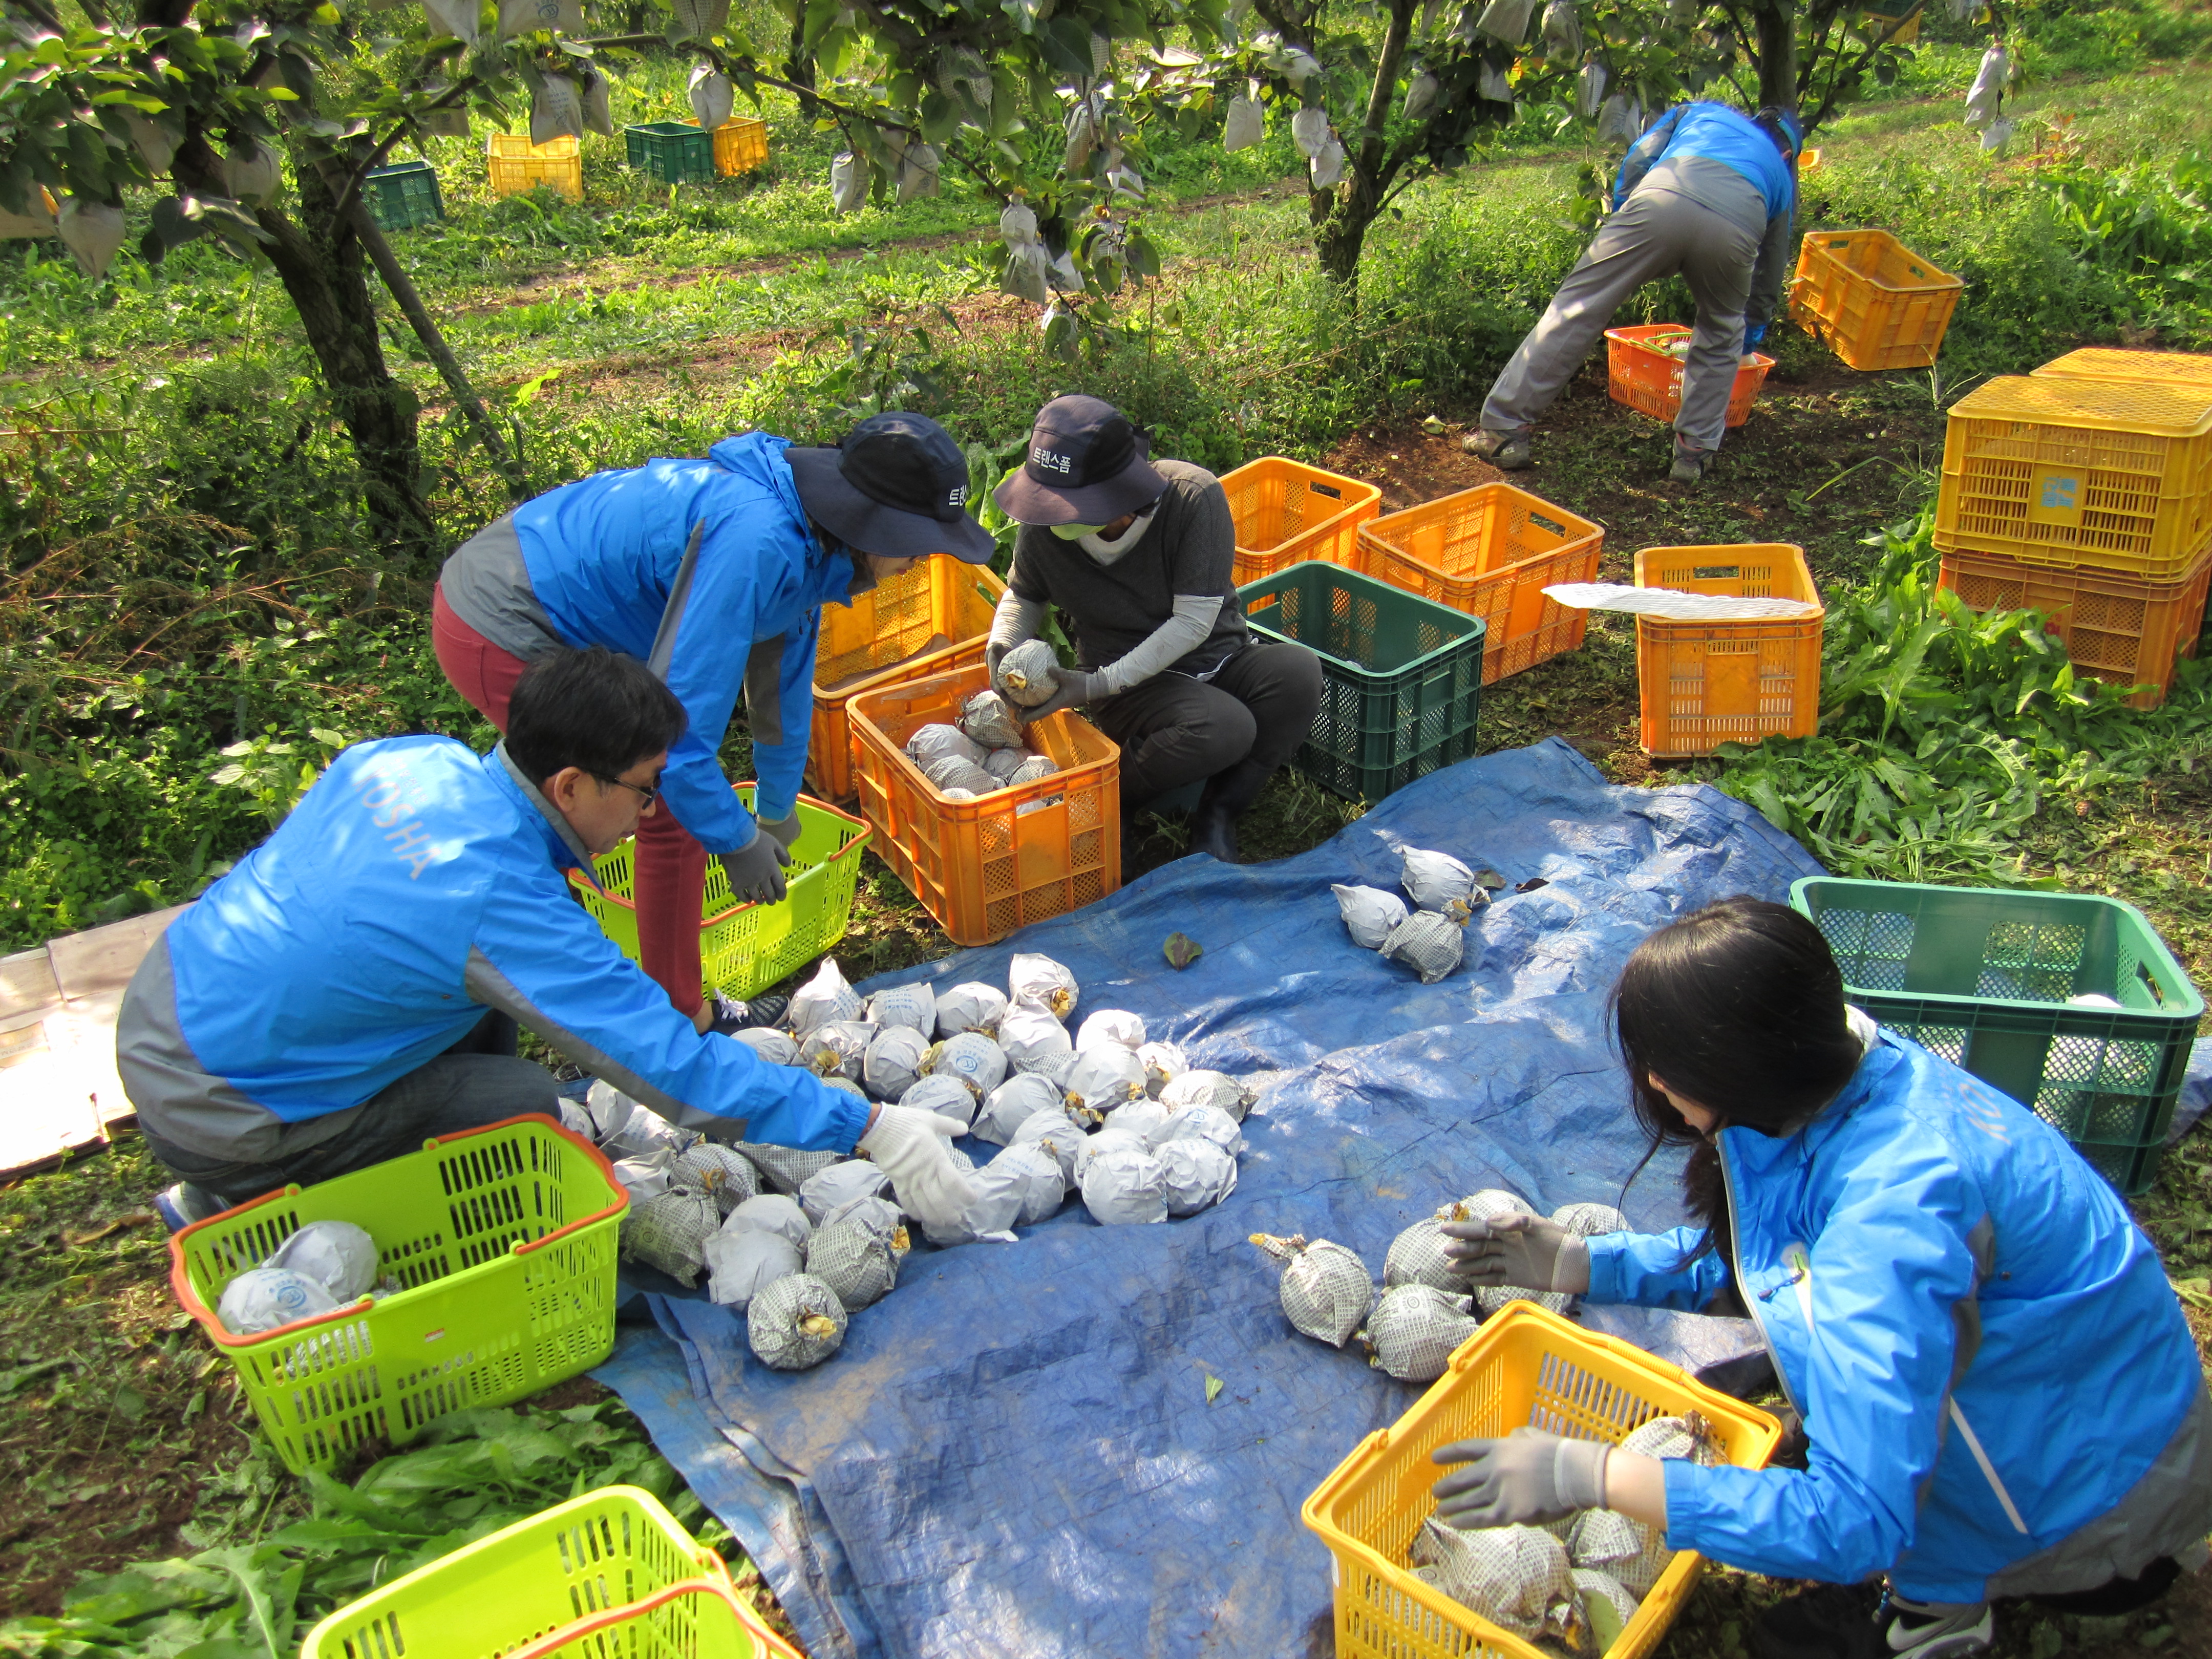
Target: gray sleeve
{"x": 1772, "y": 269}
{"x": 1183, "y": 632}
{"x": 1017, "y": 619}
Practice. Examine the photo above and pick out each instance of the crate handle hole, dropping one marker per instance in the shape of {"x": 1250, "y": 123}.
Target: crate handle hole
{"x": 1330, "y": 490}
{"x": 2151, "y": 984}
{"x": 1543, "y": 522}
{"x": 1717, "y": 573}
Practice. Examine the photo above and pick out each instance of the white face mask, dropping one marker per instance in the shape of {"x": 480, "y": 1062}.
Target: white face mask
{"x": 1106, "y": 552}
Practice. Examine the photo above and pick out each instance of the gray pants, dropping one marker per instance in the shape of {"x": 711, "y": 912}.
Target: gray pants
{"x": 1657, "y": 233}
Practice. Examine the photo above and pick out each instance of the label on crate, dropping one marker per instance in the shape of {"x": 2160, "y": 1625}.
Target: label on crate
{"x": 2056, "y": 498}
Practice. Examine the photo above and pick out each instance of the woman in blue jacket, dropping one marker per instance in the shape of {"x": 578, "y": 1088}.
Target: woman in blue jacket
{"x": 2001, "y": 1395}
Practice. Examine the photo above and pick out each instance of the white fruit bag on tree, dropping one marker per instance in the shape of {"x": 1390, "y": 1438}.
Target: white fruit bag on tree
{"x": 893, "y": 1063}
{"x": 1244, "y": 127}
{"x": 912, "y": 1005}
{"x": 772, "y": 1046}
{"x": 771, "y": 1212}
{"x": 712, "y": 95}
{"x": 701, "y": 19}
{"x": 972, "y": 1058}
{"x": 1493, "y": 85}
{"x": 986, "y": 718}
{"x": 840, "y": 1184}
{"x": 1032, "y": 1037}
{"x": 1986, "y": 96}
{"x": 740, "y": 1265}
{"x": 1369, "y": 914}
{"x": 1415, "y": 1328}
{"x": 1195, "y": 1175}
{"x": 730, "y": 1178}
{"x": 1309, "y": 131}
{"x": 337, "y": 1255}
{"x": 599, "y": 110}
{"x": 1590, "y": 89}
{"x": 1040, "y": 981}
{"x": 1506, "y": 19}
{"x": 523, "y": 17}
{"x": 971, "y": 1007}
{"x": 459, "y": 18}
{"x": 1012, "y": 1104}
{"x": 920, "y": 172}
{"x": 1562, "y": 31}
{"x": 1325, "y": 1289}
{"x": 1125, "y": 1186}
{"x": 251, "y": 173}
{"x": 822, "y": 999}
{"x": 1017, "y": 226}
{"x": 1327, "y": 167}
{"x": 848, "y": 183}
{"x": 1082, "y": 131}
{"x": 262, "y": 1298}
{"x": 557, "y": 107}
{"x": 1430, "y": 945}
{"x": 1026, "y": 277}
{"x": 1621, "y": 119}
{"x": 1420, "y": 95}
{"x": 1110, "y": 1025}
{"x": 795, "y": 1323}
{"x": 151, "y": 140}
{"x": 854, "y": 1260}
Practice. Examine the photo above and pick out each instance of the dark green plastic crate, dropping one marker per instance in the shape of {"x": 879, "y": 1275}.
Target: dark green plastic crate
{"x": 1401, "y": 674}
{"x": 403, "y": 195}
{"x": 1983, "y": 976}
{"x": 674, "y": 152}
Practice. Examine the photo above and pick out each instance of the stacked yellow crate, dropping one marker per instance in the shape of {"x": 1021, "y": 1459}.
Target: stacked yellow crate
{"x": 2085, "y": 490}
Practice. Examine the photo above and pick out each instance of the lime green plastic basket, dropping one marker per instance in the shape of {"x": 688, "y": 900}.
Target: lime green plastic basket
{"x": 503, "y": 1240}
{"x": 746, "y": 948}
{"x": 610, "y": 1573}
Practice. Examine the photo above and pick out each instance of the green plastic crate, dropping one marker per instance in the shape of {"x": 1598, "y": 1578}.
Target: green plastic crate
{"x": 1401, "y": 674}
{"x": 503, "y": 1241}
{"x": 746, "y": 948}
{"x": 1983, "y": 976}
{"x": 671, "y": 151}
{"x": 403, "y": 195}
{"x": 595, "y": 1555}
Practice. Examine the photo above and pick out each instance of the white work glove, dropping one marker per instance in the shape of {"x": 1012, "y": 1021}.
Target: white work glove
{"x": 915, "y": 1149}
{"x": 1524, "y": 1251}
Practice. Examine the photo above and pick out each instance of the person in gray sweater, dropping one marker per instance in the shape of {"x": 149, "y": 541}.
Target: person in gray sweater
{"x": 1139, "y": 555}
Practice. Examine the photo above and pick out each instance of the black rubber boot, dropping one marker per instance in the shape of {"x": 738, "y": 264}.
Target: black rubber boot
{"x": 1214, "y": 826}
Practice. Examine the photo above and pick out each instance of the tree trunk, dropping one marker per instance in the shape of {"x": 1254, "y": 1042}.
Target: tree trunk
{"x": 1777, "y": 21}
{"x": 1342, "y": 215}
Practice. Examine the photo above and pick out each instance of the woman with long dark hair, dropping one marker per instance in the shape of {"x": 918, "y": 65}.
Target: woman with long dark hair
{"x": 2001, "y": 1396}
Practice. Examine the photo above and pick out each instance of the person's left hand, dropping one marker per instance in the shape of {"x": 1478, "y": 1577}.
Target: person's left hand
{"x": 913, "y": 1147}
{"x": 784, "y": 829}
{"x": 1072, "y": 689}
{"x": 1529, "y": 1477}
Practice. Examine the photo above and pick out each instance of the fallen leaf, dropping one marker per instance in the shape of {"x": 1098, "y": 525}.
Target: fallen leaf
{"x": 1532, "y": 884}
{"x": 1212, "y": 1389}
{"x": 107, "y": 1229}
{"x": 1490, "y": 879}
{"x": 1181, "y": 951}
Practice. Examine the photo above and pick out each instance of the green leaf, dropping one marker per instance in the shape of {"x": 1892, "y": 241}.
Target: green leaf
{"x": 1212, "y": 1389}
{"x": 1181, "y": 951}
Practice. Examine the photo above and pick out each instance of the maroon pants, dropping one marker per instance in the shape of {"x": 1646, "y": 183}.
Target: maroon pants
{"x": 671, "y": 876}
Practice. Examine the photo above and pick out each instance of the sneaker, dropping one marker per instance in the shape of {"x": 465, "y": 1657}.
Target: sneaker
{"x": 731, "y": 1016}
{"x": 1934, "y": 1631}
{"x": 1689, "y": 465}
{"x": 180, "y": 1205}
{"x": 1508, "y": 451}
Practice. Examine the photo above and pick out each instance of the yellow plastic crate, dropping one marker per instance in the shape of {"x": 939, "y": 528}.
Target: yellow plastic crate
{"x": 519, "y": 166}
{"x": 1871, "y": 300}
{"x": 2116, "y": 474}
{"x": 2107, "y": 364}
{"x": 1526, "y": 1366}
{"x": 740, "y": 144}
{"x": 1705, "y": 683}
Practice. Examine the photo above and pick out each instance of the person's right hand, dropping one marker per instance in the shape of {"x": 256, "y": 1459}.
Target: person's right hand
{"x": 1524, "y": 1251}
{"x": 755, "y": 870}
{"x": 915, "y": 1149}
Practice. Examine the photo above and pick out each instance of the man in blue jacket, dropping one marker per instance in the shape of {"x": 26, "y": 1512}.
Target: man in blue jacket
{"x": 351, "y": 989}
{"x": 715, "y": 572}
{"x": 1708, "y": 191}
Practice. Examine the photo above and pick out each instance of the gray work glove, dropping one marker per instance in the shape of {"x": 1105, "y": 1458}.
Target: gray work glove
{"x": 1528, "y": 1478}
{"x": 1524, "y": 1251}
{"x": 755, "y": 870}
{"x": 784, "y": 829}
{"x": 995, "y": 652}
{"x": 1072, "y": 689}
{"x": 915, "y": 1149}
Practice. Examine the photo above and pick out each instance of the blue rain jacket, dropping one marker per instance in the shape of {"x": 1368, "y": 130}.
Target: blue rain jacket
{"x": 417, "y": 885}
{"x": 1719, "y": 134}
{"x": 607, "y": 561}
{"x": 1944, "y": 1284}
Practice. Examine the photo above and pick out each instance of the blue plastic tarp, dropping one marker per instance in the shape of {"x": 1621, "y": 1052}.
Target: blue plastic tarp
{"x": 1014, "y": 1453}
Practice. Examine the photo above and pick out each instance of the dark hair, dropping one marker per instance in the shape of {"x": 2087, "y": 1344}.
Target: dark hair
{"x": 1739, "y": 1008}
{"x": 1782, "y": 126}
{"x": 591, "y": 709}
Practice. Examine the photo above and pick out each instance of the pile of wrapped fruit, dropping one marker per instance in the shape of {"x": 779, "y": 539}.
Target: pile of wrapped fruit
{"x": 1575, "y": 1582}
{"x": 801, "y": 1241}
{"x": 1428, "y": 938}
{"x": 983, "y": 750}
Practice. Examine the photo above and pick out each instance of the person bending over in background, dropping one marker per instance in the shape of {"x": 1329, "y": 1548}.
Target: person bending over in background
{"x": 353, "y": 987}
{"x": 2001, "y": 1395}
{"x": 715, "y": 572}
{"x": 1708, "y": 191}
{"x": 1139, "y": 555}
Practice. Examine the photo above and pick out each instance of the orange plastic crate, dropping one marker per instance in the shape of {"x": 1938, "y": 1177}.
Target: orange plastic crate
{"x": 1285, "y": 511}
{"x": 880, "y": 638}
{"x": 1490, "y": 551}
{"x": 987, "y": 867}
{"x": 2117, "y": 627}
{"x": 1525, "y": 1367}
{"x": 740, "y": 144}
{"x": 1874, "y": 301}
{"x": 519, "y": 166}
{"x": 1706, "y": 683}
{"x": 1650, "y": 382}
{"x": 2116, "y": 475}
{"x": 2107, "y": 364}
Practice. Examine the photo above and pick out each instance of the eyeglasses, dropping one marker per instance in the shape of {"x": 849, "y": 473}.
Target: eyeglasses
{"x": 651, "y": 791}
